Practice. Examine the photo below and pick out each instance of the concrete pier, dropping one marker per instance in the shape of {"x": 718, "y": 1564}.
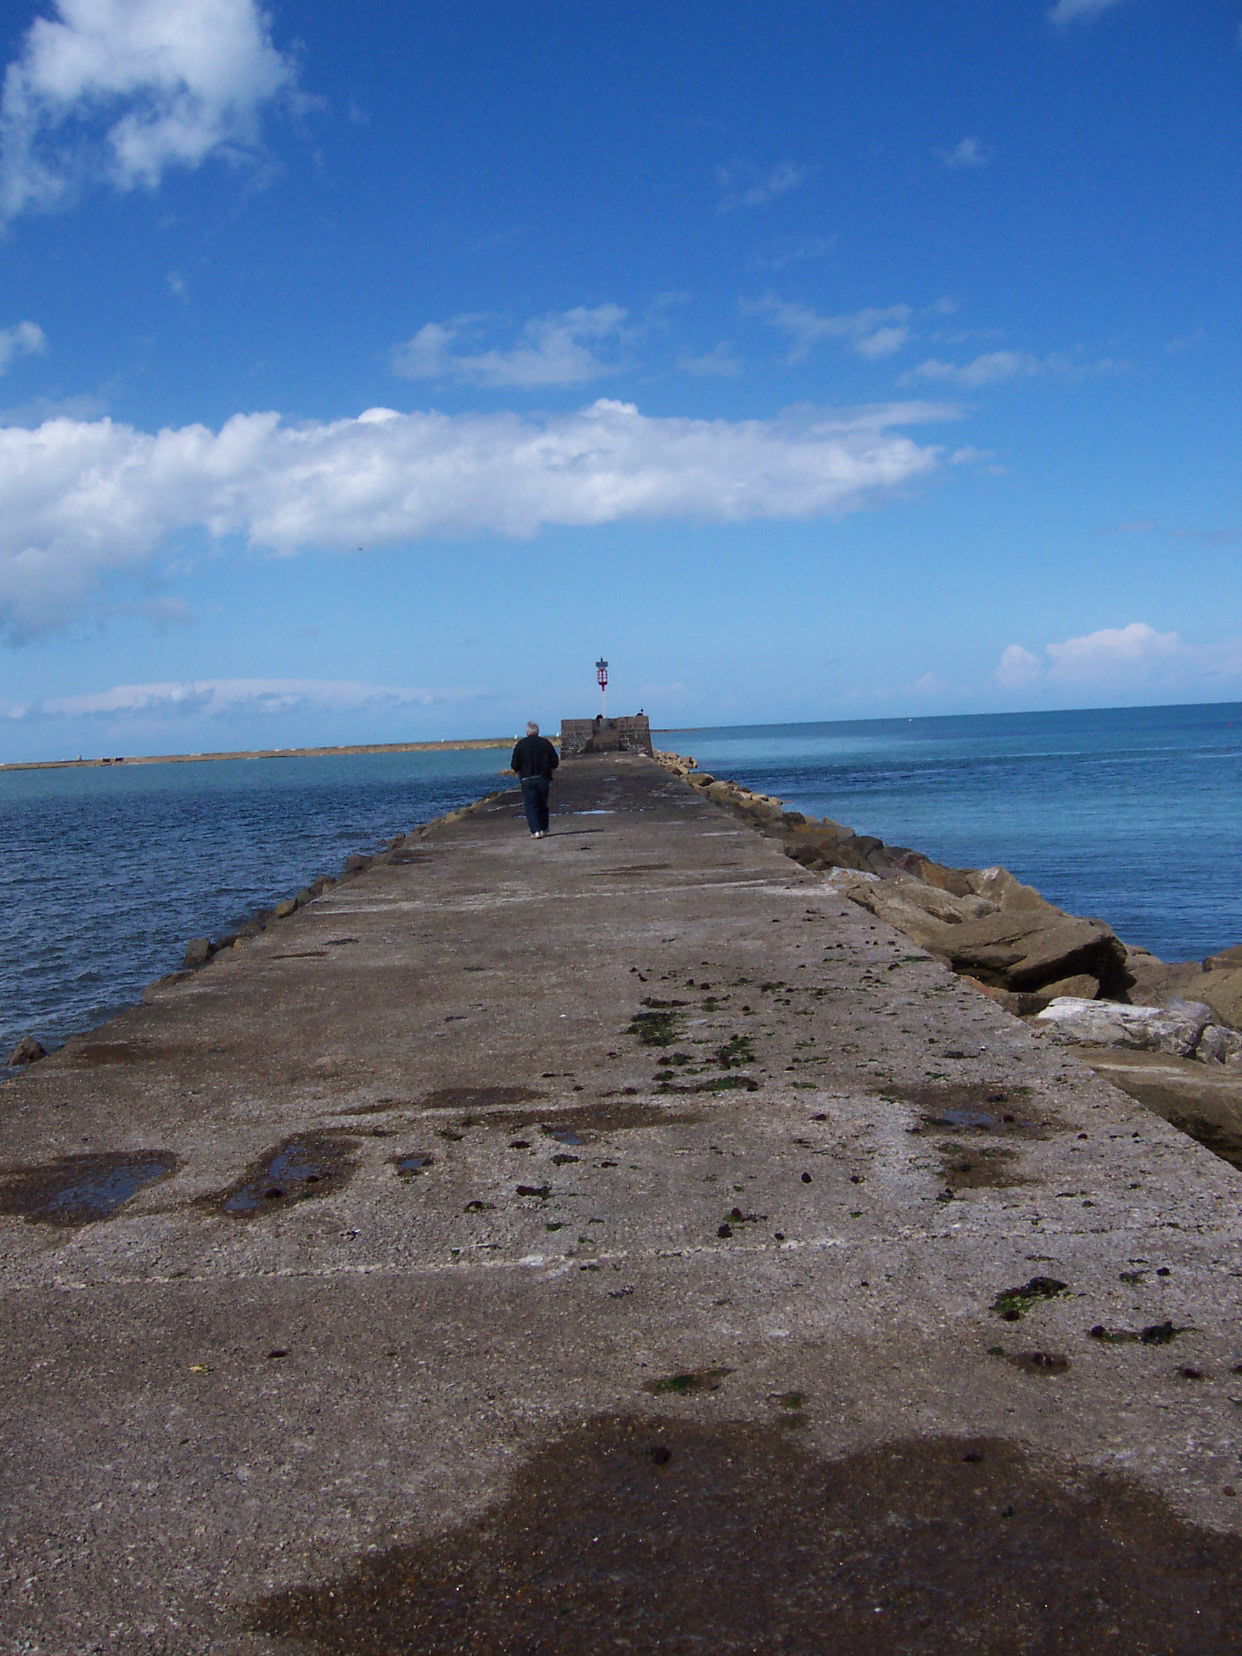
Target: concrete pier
{"x": 610, "y": 1242}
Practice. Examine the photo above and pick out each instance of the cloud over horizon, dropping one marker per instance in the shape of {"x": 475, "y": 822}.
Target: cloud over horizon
{"x": 1119, "y": 659}
{"x": 81, "y": 501}
{"x": 119, "y": 91}
{"x": 226, "y": 698}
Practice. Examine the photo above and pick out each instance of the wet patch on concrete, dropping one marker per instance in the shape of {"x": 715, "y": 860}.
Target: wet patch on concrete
{"x": 310, "y": 1164}
{"x": 608, "y": 1117}
{"x": 655, "y": 1534}
{"x": 978, "y": 1167}
{"x": 81, "y": 1190}
{"x": 477, "y": 1098}
{"x": 116, "y": 1052}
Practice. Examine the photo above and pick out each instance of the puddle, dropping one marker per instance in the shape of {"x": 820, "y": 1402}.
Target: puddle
{"x": 476, "y": 1098}
{"x": 562, "y": 1134}
{"x": 655, "y": 1534}
{"x": 411, "y": 1165}
{"x": 312, "y": 1164}
{"x": 974, "y": 1109}
{"x": 80, "y": 1190}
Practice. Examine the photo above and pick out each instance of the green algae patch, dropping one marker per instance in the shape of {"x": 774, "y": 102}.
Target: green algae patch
{"x": 1013, "y": 1303}
{"x": 683, "y": 1385}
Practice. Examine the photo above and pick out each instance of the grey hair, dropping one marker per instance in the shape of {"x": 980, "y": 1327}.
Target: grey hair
{"x": 532, "y": 729}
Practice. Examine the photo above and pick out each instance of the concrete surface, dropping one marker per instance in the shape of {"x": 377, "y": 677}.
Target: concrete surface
{"x": 682, "y": 1347}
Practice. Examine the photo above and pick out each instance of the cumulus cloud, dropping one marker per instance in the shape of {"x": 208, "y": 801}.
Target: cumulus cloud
{"x": 558, "y": 349}
{"x": 22, "y": 339}
{"x": 1074, "y": 11}
{"x": 122, "y": 90}
{"x": 226, "y": 698}
{"x": 82, "y": 500}
{"x": 744, "y": 185}
{"x": 968, "y": 154}
{"x": 873, "y": 332}
{"x": 993, "y": 367}
{"x": 1132, "y": 657}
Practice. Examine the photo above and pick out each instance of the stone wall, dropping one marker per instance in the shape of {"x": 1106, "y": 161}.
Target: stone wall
{"x": 629, "y": 734}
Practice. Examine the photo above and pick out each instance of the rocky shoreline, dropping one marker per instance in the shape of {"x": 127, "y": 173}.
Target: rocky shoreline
{"x": 1168, "y": 1033}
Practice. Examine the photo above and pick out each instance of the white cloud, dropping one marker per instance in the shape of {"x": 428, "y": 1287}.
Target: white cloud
{"x": 122, "y": 90}
{"x": 1072, "y": 11}
{"x": 557, "y": 349}
{"x": 22, "y": 339}
{"x": 83, "y": 500}
{"x": 873, "y": 332}
{"x": 743, "y": 185}
{"x": 1128, "y": 658}
{"x": 966, "y": 155}
{"x": 1017, "y": 669}
{"x": 993, "y": 367}
{"x": 226, "y": 698}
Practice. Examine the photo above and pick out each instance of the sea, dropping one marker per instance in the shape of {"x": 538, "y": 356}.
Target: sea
{"x": 1131, "y": 814}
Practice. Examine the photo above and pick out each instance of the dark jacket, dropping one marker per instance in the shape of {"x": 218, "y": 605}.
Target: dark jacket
{"x": 534, "y": 756}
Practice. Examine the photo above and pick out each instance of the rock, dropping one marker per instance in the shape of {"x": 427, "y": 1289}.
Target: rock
{"x": 1004, "y": 888}
{"x": 1171, "y": 1029}
{"x": 793, "y": 819}
{"x": 1220, "y": 1046}
{"x": 198, "y": 952}
{"x": 284, "y": 909}
{"x": 1226, "y": 960}
{"x": 1082, "y": 987}
{"x": 1155, "y": 980}
{"x": 1025, "y": 948}
{"x": 27, "y": 1051}
{"x": 357, "y": 863}
{"x": 1221, "y": 989}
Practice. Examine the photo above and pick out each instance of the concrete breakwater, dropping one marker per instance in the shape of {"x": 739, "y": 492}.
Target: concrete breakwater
{"x": 620, "y": 1237}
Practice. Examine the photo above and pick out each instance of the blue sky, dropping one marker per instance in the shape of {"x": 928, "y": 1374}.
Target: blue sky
{"x": 366, "y": 372}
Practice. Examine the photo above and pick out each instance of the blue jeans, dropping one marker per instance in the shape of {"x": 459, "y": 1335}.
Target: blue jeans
{"x": 535, "y": 799}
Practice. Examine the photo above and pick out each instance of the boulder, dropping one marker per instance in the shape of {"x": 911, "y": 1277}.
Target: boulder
{"x": 1173, "y": 1029}
{"x": 1218, "y": 1045}
{"x": 1221, "y": 989}
{"x": 1082, "y": 987}
{"x": 198, "y": 952}
{"x": 27, "y": 1051}
{"x": 285, "y": 908}
{"x": 1226, "y": 960}
{"x": 1025, "y": 948}
{"x": 1155, "y": 980}
{"x": 1005, "y": 888}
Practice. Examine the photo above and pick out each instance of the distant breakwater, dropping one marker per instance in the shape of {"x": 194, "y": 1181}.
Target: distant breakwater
{"x": 466, "y": 745}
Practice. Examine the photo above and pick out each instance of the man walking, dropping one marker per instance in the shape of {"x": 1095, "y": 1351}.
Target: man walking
{"x": 534, "y": 759}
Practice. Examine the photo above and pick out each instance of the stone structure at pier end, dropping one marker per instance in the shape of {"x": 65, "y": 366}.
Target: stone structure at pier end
{"x": 629, "y": 734}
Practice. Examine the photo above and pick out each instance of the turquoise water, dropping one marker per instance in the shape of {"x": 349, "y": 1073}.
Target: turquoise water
{"x": 107, "y": 873}
{"x": 1132, "y": 814}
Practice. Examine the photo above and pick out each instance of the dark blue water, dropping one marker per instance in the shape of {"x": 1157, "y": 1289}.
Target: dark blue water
{"x": 1132, "y": 814}
{"x": 107, "y": 873}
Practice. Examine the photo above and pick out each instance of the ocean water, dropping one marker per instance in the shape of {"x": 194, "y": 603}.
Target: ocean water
{"x": 107, "y": 873}
{"x": 1131, "y": 814}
